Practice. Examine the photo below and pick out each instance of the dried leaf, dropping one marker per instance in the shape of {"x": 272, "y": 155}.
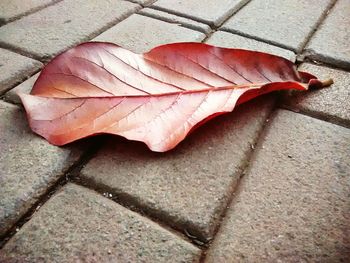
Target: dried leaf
{"x": 157, "y": 97}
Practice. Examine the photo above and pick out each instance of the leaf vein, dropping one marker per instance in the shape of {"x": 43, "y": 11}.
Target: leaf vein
{"x": 71, "y": 75}
{"x": 111, "y": 75}
{"x": 235, "y": 70}
{"x": 212, "y": 72}
{"x": 181, "y": 73}
{"x": 160, "y": 81}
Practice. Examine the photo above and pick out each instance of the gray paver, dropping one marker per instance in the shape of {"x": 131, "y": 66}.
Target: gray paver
{"x": 140, "y": 33}
{"x": 331, "y": 103}
{"x": 225, "y": 39}
{"x": 78, "y": 225}
{"x": 331, "y": 41}
{"x": 282, "y": 22}
{"x": 12, "y": 9}
{"x": 24, "y": 87}
{"x": 28, "y": 165}
{"x": 176, "y": 20}
{"x": 189, "y": 186}
{"x": 15, "y": 68}
{"x": 58, "y": 27}
{"x": 293, "y": 204}
{"x": 210, "y": 11}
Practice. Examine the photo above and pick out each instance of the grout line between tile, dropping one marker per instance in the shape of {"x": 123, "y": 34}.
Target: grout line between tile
{"x": 317, "y": 25}
{"x": 32, "y": 11}
{"x": 19, "y": 51}
{"x": 85, "y": 39}
{"x": 18, "y": 82}
{"x": 272, "y": 43}
{"x": 235, "y": 190}
{"x": 215, "y": 28}
{"x": 203, "y": 21}
{"x": 319, "y": 116}
{"x": 325, "y": 64}
{"x": 51, "y": 190}
{"x": 185, "y": 25}
{"x": 129, "y": 203}
{"x": 71, "y": 175}
{"x": 143, "y": 5}
{"x": 322, "y": 60}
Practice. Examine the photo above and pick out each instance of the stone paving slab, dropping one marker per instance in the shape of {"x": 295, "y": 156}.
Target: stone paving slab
{"x": 331, "y": 103}
{"x": 140, "y": 33}
{"x": 229, "y": 40}
{"x": 24, "y": 87}
{"x": 281, "y": 22}
{"x": 63, "y": 25}
{"x": 331, "y": 41}
{"x": 28, "y": 165}
{"x": 210, "y": 11}
{"x": 15, "y": 68}
{"x": 176, "y": 20}
{"x": 12, "y": 9}
{"x": 293, "y": 204}
{"x": 188, "y": 187}
{"x": 79, "y": 225}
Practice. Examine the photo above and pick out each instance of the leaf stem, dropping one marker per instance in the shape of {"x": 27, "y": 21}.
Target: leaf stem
{"x": 327, "y": 82}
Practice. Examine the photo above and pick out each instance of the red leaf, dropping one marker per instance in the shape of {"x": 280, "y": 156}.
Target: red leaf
{"x": 156, "y": 97}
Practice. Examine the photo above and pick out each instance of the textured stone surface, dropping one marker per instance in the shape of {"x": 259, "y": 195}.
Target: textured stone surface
{"x": 24, "y": 87}
{"x": 12, "y": 9}
{"x": 210, "y": 11}
{"x": 176, "y": 20}
{"x": 79, "y": 225}
{"x": 331, "y": 41}
{"x": 331, "y": 103}
{"x": 140, "y": 33}
{"x": 63, "y": 25}
{"x": 28, "y": 165}
{"x": 293, "y": 204}
{"x": 189, "y": 186}
{"x": 15, "y": 68}
{"x": 225, "y": 39}
{"x": 282, "y": 22}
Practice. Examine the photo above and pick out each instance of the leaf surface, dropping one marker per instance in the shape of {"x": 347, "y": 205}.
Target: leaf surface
{"x": 157, "y": 97}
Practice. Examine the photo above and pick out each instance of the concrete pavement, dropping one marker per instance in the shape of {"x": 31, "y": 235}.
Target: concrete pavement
{"x": 269, "y": 182}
